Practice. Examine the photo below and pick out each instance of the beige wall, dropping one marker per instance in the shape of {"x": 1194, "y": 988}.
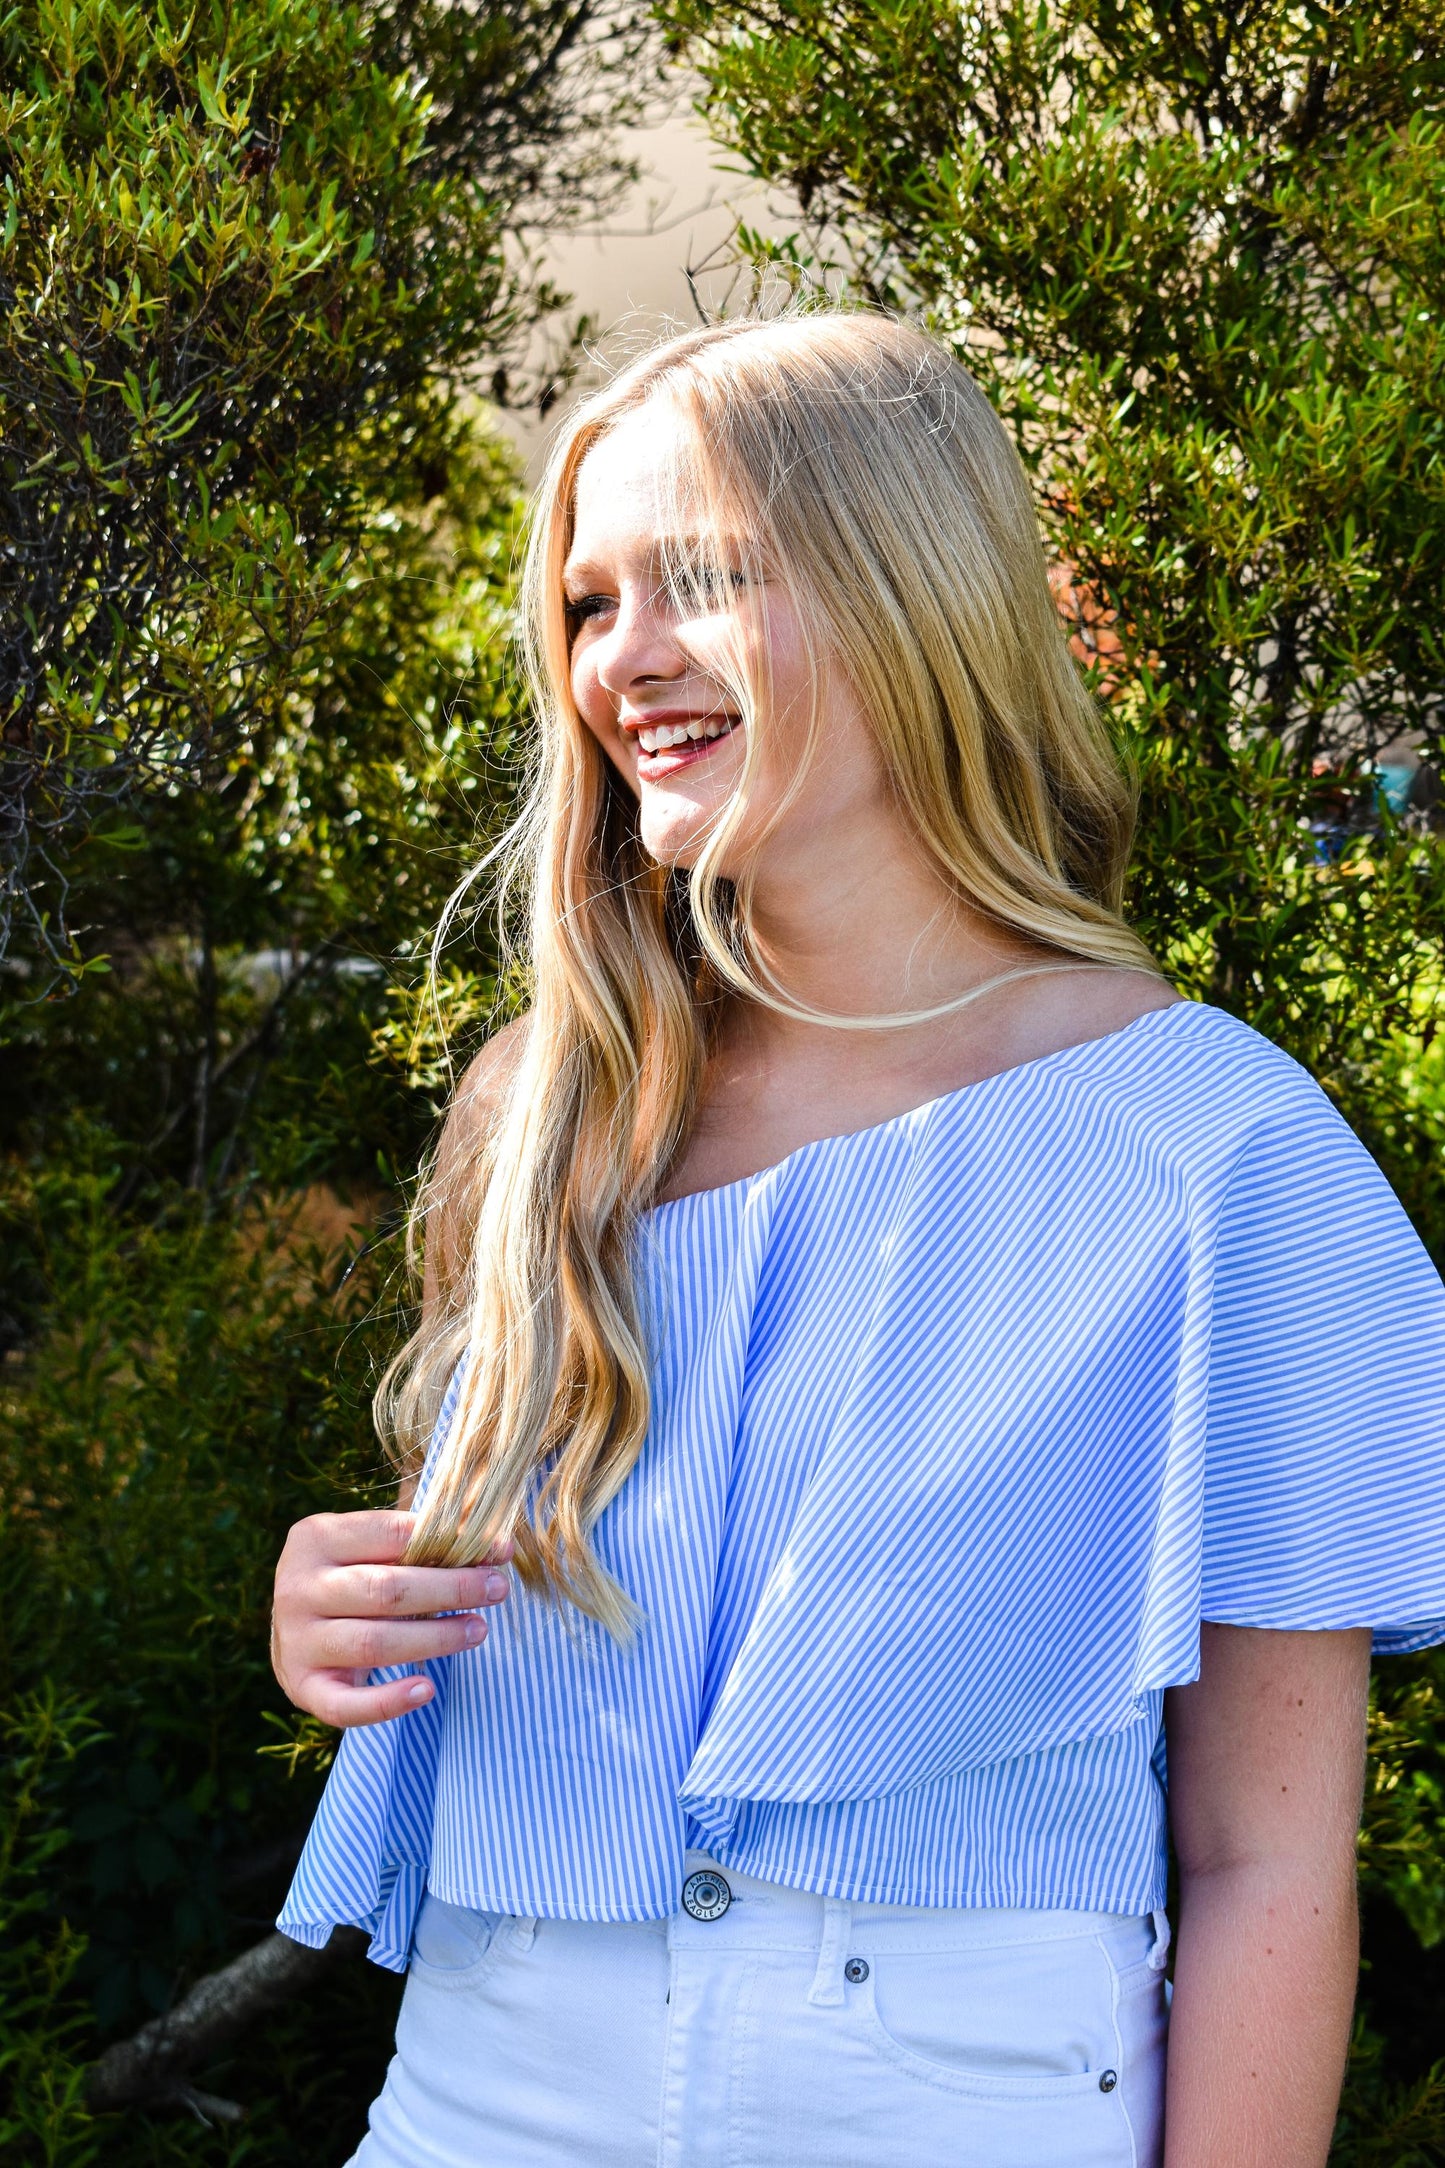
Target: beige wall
{"x": 631, "y": 275}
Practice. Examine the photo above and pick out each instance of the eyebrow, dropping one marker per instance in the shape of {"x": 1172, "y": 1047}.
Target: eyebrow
{"x": 578, "y": 569}
{"x": 581, "y": 569}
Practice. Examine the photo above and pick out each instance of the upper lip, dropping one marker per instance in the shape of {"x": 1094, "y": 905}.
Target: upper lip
{"x": 655, "y": 717}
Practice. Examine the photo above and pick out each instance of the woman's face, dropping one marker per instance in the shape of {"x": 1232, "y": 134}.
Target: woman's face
{"x": 649, "y": 674}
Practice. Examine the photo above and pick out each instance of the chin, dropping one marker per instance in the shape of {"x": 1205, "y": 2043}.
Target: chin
{"x": 674, "y": 837}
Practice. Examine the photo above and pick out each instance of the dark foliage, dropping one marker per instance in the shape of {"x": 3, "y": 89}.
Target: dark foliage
{"x": 259, "y": 716}
{"x": 246, "y": 261}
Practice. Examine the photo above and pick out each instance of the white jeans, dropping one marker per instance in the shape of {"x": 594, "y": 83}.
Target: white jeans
{"x": 783, "y": 2031}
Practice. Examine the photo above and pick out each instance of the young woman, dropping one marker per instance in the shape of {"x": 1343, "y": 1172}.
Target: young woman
{"x": 913, "y": 1363}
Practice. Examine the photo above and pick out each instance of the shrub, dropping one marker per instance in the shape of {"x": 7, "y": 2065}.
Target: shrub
{"x": 258, "y": 260}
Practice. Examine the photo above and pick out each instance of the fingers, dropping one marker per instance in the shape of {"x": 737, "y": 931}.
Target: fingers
{"x": 367, "y": 1644}
{"x": 381, "y": 1537}
{"x": 354, "y": 1539}
{"x": 380, "y": 1591}
{"x": 372, "y": 1538}
{"x": 336, "y": 1701}
{"x": 345, "y": 1605}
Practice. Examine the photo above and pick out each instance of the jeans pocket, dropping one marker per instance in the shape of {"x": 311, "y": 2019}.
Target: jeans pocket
{"x": 453, "y": 1945}
{"x": 1031, "y": 2021}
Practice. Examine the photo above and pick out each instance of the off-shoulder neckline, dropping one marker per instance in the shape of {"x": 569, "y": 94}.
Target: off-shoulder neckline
{"x": 1081, "y": 1049}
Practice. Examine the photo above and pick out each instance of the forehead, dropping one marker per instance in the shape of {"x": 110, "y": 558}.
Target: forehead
{"x": 627, "y": 487}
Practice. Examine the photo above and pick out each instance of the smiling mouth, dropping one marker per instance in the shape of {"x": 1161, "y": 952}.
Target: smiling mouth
{"x": 669, "y": 746}
{"x": 663, "y": 735}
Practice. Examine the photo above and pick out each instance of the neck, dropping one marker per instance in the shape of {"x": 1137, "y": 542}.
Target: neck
{"x": 867, "y": 930}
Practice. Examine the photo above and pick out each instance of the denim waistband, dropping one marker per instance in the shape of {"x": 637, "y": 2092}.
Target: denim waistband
{"x": 742, "y": 1913}
{"x": 767, "y": 1916}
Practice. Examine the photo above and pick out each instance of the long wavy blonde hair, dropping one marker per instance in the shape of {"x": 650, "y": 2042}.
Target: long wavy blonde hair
{"x": 860, "y": 468}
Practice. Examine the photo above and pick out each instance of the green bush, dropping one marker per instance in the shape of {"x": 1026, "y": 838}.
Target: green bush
{"x": 259, "y": 262}
{"x": 43, "y": 2116}
{"x": 1196, "y": 256}
{"x": 251, "y": 256}
{"x": 195, "y": 1382}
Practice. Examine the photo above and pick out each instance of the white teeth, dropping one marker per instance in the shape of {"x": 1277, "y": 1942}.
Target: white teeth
{"x": 663, "y": 735}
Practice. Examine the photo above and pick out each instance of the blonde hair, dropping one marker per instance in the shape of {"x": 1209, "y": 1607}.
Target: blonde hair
{"x": 861, "y": 467}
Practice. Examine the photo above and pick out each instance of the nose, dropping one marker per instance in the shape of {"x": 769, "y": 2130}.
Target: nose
{"x": 640, "y": 647}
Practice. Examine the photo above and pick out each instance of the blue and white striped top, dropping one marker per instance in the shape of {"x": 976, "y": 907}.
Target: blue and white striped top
{"x": 961, "y": 1425}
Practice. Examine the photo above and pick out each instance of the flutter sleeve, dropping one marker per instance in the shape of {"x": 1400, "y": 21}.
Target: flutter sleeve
{"x": 1325, "y": 1470}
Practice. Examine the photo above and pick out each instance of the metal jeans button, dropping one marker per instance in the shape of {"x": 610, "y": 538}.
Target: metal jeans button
{"x": 855, "y": 1972}
{"x": 705, "y": 1895}
{"x": 1108, "y": 2079}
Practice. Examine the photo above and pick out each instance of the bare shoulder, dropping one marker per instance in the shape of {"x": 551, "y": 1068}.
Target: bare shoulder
{"x": 1069, "y": 1007}
{"x": 478, "y": 1098}
{"x": 453, "y": 1191}
{"x": 483, "y": 1087}
{"x": 1110, "y": 999}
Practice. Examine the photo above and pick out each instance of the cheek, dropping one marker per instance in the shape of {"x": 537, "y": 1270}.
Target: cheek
{"x": 586, "y": 691}
{"x": 791, "y": 686}
{"x": 595, "y": 708}
{"x": 791, "y": 676}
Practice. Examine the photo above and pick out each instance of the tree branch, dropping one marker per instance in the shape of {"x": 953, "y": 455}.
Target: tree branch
{"x": 154, "y": 2064}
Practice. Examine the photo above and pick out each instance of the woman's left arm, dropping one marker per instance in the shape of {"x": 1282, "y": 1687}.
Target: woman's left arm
{"x": 1266, "y": 1770}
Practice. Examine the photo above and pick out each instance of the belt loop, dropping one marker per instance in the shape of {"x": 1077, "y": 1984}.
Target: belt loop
{"x": 524, "y": 1933}
{"x": 827, "y": 1987}
{"x": 1159, "y": 1955}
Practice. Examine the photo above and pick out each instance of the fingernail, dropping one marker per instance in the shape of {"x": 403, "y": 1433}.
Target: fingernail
{"x": 496, "y": 1587}
{"x": 420, "y": 1692}
{"x": 474, "y": 1629}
